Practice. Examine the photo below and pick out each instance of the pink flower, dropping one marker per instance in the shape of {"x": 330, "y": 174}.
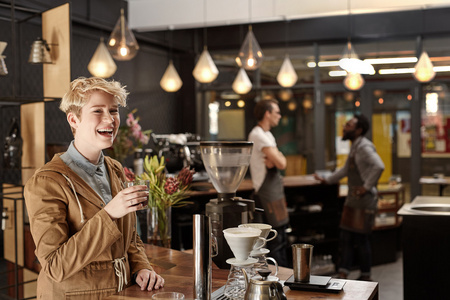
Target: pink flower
{"x": 130, "y": 120}
{"x": 129, "y": 174}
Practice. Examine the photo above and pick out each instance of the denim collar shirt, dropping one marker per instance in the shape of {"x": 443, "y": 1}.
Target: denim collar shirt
{"x": 95, "y": 175}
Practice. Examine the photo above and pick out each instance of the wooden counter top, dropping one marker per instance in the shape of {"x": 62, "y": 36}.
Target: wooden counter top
{"x": 206, "y": 188}
{"x": 177, "y": 269}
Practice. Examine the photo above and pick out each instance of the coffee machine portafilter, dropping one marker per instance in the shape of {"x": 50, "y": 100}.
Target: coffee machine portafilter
{"x": 226, "y": 164}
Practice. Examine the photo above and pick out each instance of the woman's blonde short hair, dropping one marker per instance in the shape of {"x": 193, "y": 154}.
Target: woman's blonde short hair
{"x": 81, "y": 89}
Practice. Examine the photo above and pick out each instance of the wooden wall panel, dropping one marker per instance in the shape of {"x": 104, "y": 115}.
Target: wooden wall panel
{"x": 56, "y": 30}
{"x": 33, "y": 134}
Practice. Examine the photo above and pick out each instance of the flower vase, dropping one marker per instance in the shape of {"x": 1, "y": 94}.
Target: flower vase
{"x": 159, "y": 224}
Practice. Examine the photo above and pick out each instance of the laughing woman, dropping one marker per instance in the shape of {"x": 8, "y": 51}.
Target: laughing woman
{"x": 82, "y": 222}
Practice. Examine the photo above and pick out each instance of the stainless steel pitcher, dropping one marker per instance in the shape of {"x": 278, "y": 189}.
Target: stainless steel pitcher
{"x": 263, "y": 287}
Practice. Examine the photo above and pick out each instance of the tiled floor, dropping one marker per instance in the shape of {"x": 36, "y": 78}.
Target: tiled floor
{"x": 390, "y": 279}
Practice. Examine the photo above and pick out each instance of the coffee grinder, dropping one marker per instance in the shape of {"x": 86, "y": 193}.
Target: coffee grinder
{"x": 227, "y": 164}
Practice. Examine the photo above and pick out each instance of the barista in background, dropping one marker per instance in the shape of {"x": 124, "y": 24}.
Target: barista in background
{"x": 265, "y": 163}
{"x": 363, "y": 169}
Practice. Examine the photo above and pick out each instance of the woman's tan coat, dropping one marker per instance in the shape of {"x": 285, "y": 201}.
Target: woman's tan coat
{"x": 76, "y": 241}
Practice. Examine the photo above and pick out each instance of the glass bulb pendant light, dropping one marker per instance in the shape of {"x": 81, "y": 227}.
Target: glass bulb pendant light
{"x": 351, "y": 63}
{"x": 205, "y": 70}
{"x": 102, "y": 64}
{"x": 250, "y": 55}
{"x": 171, "y": 81}
{"x": 122, "y": 44}
{"x": 287, "y": 76}
{"x": 423, "y": 70}
{"x": 242, "y": 84}
{"x": 353, "y": 81}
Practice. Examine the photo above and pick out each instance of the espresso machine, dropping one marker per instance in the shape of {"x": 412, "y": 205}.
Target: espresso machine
{"x": 226, "y": 164}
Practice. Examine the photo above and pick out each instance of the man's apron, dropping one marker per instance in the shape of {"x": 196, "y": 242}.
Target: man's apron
{"x": 357, "y": 218}
{"x": 272, "y": 199}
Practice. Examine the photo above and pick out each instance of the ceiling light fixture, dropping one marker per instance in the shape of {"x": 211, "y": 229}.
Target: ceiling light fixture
{"x": 205, "y": 70}
{"x": 250, "y": 55}
{"x": 287, "y": 76}
{"x": 122, "y": 44}
{"x": 337, "y": 73}
{"x": 350, "y": 61}
{"x": 391, "y": 60}
{"x": 102, "y": 64}
{"x": 354, "y": 81}
{"x": 242, "y": 84}
{"x": 423, "y": 70}
{"x": 411, "y": 70}
{"x": 171, "y": 81}
{"x": 372, "y": 61}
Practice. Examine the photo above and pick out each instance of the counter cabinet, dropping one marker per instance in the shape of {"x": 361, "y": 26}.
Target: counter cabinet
{"x": 177, "y": 269}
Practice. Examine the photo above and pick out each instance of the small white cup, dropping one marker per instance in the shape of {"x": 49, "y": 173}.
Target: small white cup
{"x": 266, "y": 229}
{"x": 242, "y": 241}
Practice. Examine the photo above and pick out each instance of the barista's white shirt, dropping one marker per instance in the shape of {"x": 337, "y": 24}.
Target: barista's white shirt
{"x": 260, "y": 139}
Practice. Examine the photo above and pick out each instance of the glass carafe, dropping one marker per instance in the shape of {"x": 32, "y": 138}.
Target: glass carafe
{"x": 235, "y": 287}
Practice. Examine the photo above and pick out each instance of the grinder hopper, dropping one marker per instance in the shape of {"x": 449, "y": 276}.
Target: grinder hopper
{"x": 226, "y": 164}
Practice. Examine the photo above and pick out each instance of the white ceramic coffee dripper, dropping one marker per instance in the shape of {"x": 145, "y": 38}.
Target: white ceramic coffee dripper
{"x": 242, "y": 241}
{"x": 266, "y": 229}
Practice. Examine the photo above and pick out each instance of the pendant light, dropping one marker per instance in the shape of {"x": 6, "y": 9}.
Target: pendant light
{"x": 122, "y": 44}
{"x": 3, "y": 69}
{"x": 250, "y": 55}
{"x": 242, "y": 84}
{"x": 287, "y": 76}
{"x": 102, "y": 64}
{"x": 354, "y": 81}
{"x": 350, "y": 61}
{"x": 423, "y": 70}
{"x": 205, "y": 70}
{"x": 171, "y": 81}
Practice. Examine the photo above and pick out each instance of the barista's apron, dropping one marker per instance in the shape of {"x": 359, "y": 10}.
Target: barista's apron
{"x": 357, "y": 217}
{"x": 272, "y": 199}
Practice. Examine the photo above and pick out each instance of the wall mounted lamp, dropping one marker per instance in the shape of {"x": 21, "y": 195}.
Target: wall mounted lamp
{"x": 40, "y": 52}
{"x": 3, "y": 69}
